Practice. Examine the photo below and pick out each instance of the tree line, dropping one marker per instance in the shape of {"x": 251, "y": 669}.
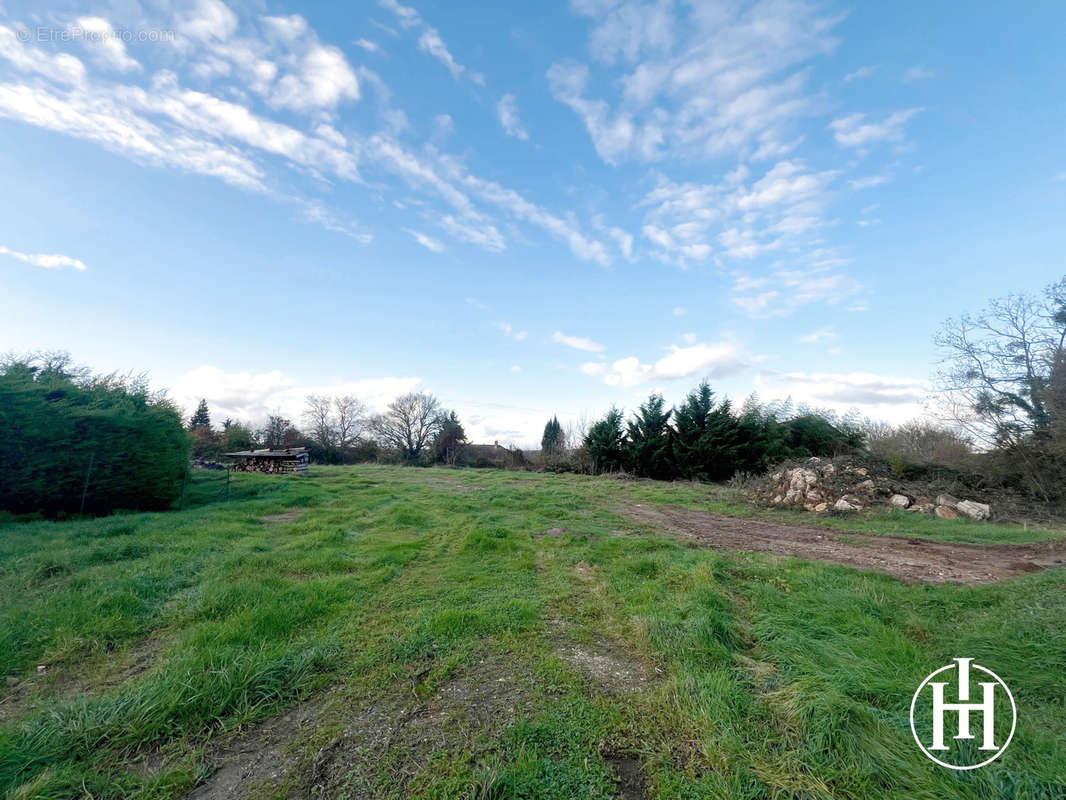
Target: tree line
{"x": 414, "y": 429}
{"x": 75, "y": 441}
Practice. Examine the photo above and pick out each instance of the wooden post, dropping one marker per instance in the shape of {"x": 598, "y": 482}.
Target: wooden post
{"x": 85, "y": 486}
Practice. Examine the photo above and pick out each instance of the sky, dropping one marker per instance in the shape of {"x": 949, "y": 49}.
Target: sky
{"x": 527, "y": 209}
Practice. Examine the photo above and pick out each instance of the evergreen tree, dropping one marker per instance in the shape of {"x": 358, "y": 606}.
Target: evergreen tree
{"x": 553, "y": 438}
{"x": 648, "y": 452}
{"x": 603, "y": 442}
{"x": 450, "y": 438}
{"x": 706, "y": 441}
{"x": 201, "y": 417}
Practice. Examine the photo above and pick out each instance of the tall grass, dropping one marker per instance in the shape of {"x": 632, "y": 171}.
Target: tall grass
{"x": 775, "y": 678}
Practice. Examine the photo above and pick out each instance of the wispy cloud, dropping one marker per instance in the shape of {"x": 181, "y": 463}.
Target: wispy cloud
{"x": 507, "y": 114}
{"x": 868, "y": 182}
{"x": 427, "y": 242}
{"x": 823, "y": 334}
{"x": 859, "y": 74}
{"x": 854, "y": 131}
{"x": 105, "y": 44}
{"x": 702, "y": 82}
{"x": 508, "y": 330}
{"x": 917, "y": 73}
{"x": 578, "y": 342}
{"x": 430, "y": 40}
{"x": 45, "y": 260}
{"x": 368, "y": 45}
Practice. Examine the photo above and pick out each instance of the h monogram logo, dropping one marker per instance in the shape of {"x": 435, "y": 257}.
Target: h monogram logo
{"x": 965, "y": 711}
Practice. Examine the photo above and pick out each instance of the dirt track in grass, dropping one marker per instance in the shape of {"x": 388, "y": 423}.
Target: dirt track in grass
{"x": 912, "y": 560}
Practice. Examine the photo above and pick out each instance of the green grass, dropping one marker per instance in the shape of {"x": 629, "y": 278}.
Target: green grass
{"x": 412, "y": 596}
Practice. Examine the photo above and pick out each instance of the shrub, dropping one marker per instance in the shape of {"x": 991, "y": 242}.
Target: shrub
{"x": 57, "y": 420}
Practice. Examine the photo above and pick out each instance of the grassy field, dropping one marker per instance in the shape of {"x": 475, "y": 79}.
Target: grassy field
{"x": 389, "y": 632}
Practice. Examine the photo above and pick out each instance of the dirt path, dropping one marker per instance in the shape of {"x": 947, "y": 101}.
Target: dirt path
{"x": 916, "y": 560}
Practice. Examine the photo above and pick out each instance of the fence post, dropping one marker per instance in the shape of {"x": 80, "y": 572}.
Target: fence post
{"x": 85, "y": 486}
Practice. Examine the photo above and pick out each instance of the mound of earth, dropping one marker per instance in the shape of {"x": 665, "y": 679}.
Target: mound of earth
{"x": 849, "y": 484}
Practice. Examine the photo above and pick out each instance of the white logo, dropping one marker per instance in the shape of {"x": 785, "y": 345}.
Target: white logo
{"x": 986, "y": 709}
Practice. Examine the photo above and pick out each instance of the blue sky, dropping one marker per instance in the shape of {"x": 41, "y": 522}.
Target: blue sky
{"x": 526, "y": 209}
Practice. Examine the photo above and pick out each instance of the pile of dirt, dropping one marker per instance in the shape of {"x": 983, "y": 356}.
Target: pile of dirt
{"x": 848, "y": 483}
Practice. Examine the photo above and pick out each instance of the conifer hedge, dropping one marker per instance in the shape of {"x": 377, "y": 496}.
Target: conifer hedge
{"x": 56, "y": 419}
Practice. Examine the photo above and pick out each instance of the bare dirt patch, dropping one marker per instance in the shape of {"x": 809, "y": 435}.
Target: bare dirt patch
{"x": 259, "y": 758}
{"x": 632, "y": 783}
{"x": 395, "y": 736}
{"x": 607, "y": 664}
{"x": 20, "y": 696}
{"x": 914, "y": 560}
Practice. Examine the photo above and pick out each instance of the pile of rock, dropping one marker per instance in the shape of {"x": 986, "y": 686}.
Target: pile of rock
{"x": 821, "y": 486}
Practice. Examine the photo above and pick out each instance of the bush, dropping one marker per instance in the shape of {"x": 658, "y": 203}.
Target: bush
{"x": 56, "y": 421}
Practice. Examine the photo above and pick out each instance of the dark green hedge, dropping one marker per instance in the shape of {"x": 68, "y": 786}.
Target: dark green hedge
{"x": 53, "y": 421}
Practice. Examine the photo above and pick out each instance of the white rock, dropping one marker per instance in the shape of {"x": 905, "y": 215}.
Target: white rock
{"x": 899, "y": 501}
{"x": 973, "y": 509}
{"x": 947, "y": 500}
{"x": 844, "y": 505}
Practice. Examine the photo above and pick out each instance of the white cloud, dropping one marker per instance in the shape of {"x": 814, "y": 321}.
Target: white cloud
{"x": 852, "y": 131}
{"x": 696, "y": 80}
{"x": 430, "y": 42}
{"x": 859, "y": 74}
{"x": 62, "y": 67}
{"x": 101, "y": 119}
{"x": 820, "y": 335}
{"x": 916, "y": 73}
{"x": 103, "y": 41}
{"x": 680, "y": 311}
{"x": 577, "y": 342}
{"x": 483, "y": 234}
{"x": 45, "y": 260}
{"x": 855, "y": 388}
{"x": 323, "y": 79}
{"x": 868, "y": 182}
{"x": 212, "y": 130}
{"x": 624, "y": 241}
{"x": 785, "y": 290}
{"x": 209, "y": 20}
{"x": 427, "y": 242}
{"x": 369, "y": 46}
{"x": 508, "y": 330}
{"x": 408, "y": 16}
{"x": 251, "y": 397}
{"x": 713, "y": 360}
{"x": 507, "y": 114}
{"x": 688, "y": 221}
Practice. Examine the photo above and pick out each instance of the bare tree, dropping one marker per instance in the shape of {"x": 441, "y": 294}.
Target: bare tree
{"x": 350, "y": 420}
{"x": 409, "y": 424}
{"x": 278, "y": 432}
{"x": 1004, "y": 382}
{"x": 999, "y": 363}
{"x": 321, "y": 426}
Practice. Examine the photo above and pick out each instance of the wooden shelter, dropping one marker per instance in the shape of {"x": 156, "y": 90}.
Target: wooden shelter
{"x": 289, "y": 460}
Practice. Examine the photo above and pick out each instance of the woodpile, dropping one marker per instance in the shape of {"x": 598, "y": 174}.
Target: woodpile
{"x": 272, "y": 462}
